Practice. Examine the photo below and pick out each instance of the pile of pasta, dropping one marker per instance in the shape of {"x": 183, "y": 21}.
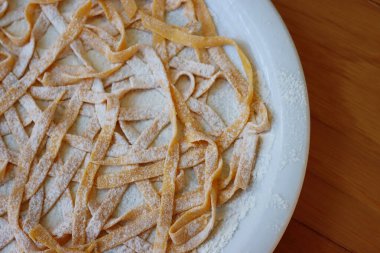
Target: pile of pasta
{"x": 40, "y": 101}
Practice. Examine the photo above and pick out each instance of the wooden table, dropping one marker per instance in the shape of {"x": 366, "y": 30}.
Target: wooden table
{"x": 339, "y": 45}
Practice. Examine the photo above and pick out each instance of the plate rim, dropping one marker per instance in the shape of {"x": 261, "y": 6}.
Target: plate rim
{"x": 291, "y": 193}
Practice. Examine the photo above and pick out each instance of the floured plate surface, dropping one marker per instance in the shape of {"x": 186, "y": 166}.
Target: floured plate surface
{"x": 122, "y": 139}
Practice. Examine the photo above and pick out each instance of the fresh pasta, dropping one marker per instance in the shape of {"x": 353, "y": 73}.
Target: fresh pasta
{"x": 74, "y": 138}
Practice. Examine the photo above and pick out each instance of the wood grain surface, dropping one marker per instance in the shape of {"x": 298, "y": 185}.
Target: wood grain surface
{"x": 339, "y": 45}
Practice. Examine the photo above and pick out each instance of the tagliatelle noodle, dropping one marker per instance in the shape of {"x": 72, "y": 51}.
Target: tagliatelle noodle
{"x": 134, "y": 114}
{"x": 49, "y": 93}
{"x": 207, "y": 24}
{"x": 136, "y": 156}
{"x": 54, "y": 78}
{"x": 100, "y": 109}
{"x": 130, "y": 175}
{"x": 176, "y": 76}
{"x": 217, "y": 54}
{"x": 191, "y": 230}
{"x": 172, "y": 158}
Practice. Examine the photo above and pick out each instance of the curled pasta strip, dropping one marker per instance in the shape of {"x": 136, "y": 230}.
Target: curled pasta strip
{"x": 190, "y": 88}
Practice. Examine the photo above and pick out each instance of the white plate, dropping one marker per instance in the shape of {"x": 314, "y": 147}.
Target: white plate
{"x": 265, "y": 209}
